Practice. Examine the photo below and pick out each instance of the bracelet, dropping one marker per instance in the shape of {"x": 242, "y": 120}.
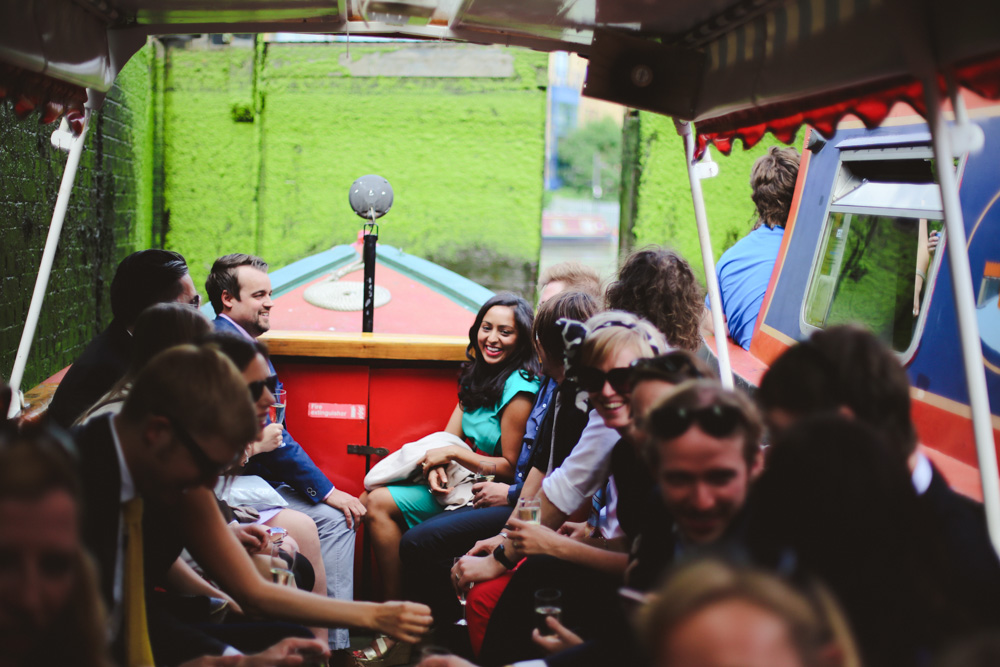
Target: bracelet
{"x": 922, "y": 275}
{"x": 501, "y": 557}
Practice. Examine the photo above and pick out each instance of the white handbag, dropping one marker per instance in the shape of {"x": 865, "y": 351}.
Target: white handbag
{"x": 403, "y": 465}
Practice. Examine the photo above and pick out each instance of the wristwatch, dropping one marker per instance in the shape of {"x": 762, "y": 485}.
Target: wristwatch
{"x": 501, "y": 557}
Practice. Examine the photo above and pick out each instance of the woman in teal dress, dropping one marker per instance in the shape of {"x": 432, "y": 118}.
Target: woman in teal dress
{"x": 497, "y": 389}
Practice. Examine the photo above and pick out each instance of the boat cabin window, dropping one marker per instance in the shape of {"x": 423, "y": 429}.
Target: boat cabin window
{"x": 872, "y": 265}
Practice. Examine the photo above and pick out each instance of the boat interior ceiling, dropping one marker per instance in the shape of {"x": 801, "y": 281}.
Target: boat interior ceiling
{"x": 737, "y": 68}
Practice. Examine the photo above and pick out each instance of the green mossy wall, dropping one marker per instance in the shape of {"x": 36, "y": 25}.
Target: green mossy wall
{"x": 109, "y": 216}
{"x": 663, "y": 212}
{"x": 464, "y": 156}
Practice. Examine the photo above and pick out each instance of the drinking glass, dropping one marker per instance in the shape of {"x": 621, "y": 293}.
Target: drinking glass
{"x": 486, "y": 473}
{"x": 548, "y": 602}
{"x": 528, "y": 510}
{"x": 280, "y": 574}
{"x": 277, "y": 409}
{"x": 461, "y": 598}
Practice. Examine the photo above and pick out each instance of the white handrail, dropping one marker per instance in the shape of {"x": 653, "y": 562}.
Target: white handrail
{"x": 45, "y": 269}
{"x": 965, "y": 308}
{"x": 707, "y": 257}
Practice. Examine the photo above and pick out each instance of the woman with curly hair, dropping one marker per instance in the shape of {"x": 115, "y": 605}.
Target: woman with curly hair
{"x": 657, "y": 284}
{"x": 496, "y": 392}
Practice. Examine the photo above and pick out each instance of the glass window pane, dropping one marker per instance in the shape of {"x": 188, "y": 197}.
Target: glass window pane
{"x": 867, "y": 276}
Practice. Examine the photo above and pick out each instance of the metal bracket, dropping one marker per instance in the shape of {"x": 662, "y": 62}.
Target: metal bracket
{"x": 367, "y": 450}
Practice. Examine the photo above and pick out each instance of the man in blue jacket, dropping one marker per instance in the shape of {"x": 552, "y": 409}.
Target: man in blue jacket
{"x": 240, "y": 291}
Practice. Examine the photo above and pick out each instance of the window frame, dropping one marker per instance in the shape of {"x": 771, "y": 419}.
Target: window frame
{"x": 900, "y": 147}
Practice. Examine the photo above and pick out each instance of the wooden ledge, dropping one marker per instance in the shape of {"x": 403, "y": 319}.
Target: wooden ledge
{"x": 366, "y": 346}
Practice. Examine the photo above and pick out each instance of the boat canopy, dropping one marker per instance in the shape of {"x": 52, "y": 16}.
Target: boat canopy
{"x": 736, "y": 68}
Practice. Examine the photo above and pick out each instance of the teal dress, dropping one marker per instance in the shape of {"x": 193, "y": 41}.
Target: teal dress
{"x": 482, "y": 427}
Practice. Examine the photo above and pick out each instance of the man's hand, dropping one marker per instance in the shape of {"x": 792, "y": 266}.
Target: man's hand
{"x": 291, "y": 651}
{"x": 489, "y": 494}
{"x": 352, "y": 508}
{"x": 531, "y": 539}
{"x": 473, "y": 569}
{"x": 485, "y": 547}
{"x": 253, "y": 537}
{"x": 405, "y": 621}
{"x": 268, "y": 442}
{"x": 563, "y": 638}
{"x": 575, "y": 530}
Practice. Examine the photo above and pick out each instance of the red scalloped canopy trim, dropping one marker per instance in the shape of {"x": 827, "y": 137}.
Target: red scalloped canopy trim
{"x": 53, "y": 98}
{"x": 824, "y": 112}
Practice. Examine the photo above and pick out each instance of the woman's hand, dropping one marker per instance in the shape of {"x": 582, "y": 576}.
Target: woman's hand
{"x": 437, "y": 479}
{"x": 438, "y": 456}
{"x": 489, "y": 494}
{"x": 269, "y": 442}
{"x": 405, "y": 621}
{"x": 563, "y": 638}
{"x": 531, "y": 539}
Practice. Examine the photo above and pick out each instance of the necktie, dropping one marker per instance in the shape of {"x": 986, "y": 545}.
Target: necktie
{"x": 137, "y": 647}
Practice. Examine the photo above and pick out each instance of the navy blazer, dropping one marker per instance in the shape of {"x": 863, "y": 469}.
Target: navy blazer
{"x": 102, "y": 364}
{"x": 288, "y": 464}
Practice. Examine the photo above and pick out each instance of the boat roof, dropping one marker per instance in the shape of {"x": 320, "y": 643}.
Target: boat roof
{"x": 738, "y": 68}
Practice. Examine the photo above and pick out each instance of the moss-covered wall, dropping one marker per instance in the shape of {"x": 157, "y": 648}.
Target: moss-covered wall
{"x": 262, "y": 144}
{"x": 110, "y": 213}
{"x": 660, "y": 200}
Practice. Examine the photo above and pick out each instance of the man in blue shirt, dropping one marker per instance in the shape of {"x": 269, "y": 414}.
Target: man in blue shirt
{"x": 745, "y": 269}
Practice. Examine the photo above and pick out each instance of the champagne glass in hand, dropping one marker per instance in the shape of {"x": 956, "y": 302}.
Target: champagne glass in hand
{"x": 486, "y": 473}
{"x": 277, "y": 409}
{"x": 461, "y": 597}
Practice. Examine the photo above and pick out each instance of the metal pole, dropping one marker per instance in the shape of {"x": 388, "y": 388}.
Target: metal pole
{"x": 707, "y": 258}
{"x": 368, "y": 255}
{"x": 965, "y": 308}
{"x": 45, "y": 269}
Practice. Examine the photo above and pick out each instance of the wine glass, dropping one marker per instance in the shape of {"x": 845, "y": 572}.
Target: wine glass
{"x": 461, "y": 596}
{"x": 548, "y": 602}
{"x": 528, "y": 510}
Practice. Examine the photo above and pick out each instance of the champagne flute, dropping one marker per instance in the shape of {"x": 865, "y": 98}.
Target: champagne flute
{"x": 528, "y": 510}
{"x": 486, "y": 473}
{"x": 280, "y": 574}
{"x": 461, "y": 596}
{"x": 277, "y": 409}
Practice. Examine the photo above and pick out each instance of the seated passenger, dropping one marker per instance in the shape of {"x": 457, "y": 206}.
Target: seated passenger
{"x": 745, "y": 269}
{"x": 496, "y": 391}
{"x": 240, "y": 291}
{"x": 187, "y": 417}
{"x": 656, "y": 284}
{"x": 428, "y": 549}
{"x": 568, "y": 277}
{"x": 142, "y": 279}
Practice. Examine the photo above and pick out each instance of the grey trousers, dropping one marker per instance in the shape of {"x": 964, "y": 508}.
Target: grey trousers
{"x": 336, "y": 542}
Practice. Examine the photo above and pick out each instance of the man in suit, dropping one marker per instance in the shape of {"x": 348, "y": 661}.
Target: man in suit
{"x": 141, "y": 280}
{"x": 847, "y": 370}
{"x": 186, "y": 419}
{"x": 240, "y": 291}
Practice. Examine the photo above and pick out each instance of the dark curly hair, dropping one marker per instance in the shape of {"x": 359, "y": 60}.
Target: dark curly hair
{"x": 657, "y": 284}
{"x": 481, "y": 384}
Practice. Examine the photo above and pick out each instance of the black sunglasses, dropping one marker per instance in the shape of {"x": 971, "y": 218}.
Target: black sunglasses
{"x": 257, "y": 386}
{"x": 209, "y": 469}
{"x": 592, "y": 380}
{"x": 717, "y": 421}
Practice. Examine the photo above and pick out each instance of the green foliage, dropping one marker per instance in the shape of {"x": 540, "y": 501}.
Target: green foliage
{"x": 464, "y": 156}
{"x": 577, "y": 151}
{"x": 664, "y": 212}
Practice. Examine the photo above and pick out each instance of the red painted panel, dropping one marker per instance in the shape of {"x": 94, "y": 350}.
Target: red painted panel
{"x": 324, "y": 439}
{"x": 408, "y": 403}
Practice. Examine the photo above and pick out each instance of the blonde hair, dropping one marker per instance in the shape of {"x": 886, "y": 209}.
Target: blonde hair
{"x": 614, "y": 330}
{"x": 813, "y": 621}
